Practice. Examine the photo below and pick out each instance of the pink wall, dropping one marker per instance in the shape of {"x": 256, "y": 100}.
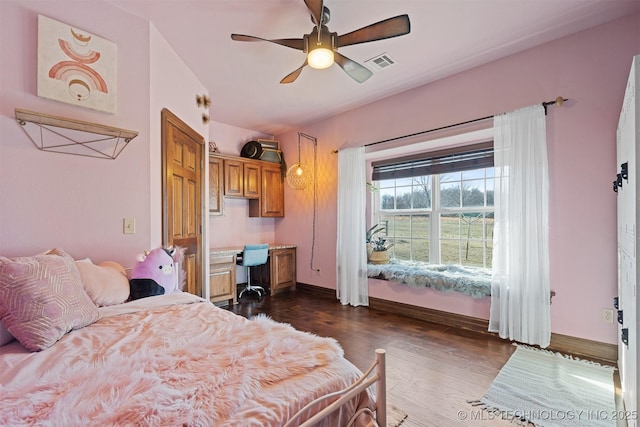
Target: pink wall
{"x": 58, "y": 200}
{"x": 591, "y": 69}
{"x": 78, "y": 203}
{"x": 166, "y": 69}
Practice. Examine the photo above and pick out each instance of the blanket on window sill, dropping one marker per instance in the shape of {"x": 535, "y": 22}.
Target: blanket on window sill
{"x": 472, "y": 281}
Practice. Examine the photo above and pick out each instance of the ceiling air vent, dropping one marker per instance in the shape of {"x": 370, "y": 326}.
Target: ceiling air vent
{"x": 380, "y": 62}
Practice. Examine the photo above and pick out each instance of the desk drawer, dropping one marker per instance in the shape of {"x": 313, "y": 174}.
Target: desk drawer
{"x": 222, "y": 259}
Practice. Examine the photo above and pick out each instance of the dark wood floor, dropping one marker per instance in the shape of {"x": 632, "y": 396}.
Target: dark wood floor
{"x": 432, "y": 370}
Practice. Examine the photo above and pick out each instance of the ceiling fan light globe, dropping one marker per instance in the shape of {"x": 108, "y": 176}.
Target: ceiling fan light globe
{"x": 320, "y": 58}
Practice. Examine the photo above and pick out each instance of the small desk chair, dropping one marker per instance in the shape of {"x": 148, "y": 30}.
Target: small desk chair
{"x": 252, "y": 256}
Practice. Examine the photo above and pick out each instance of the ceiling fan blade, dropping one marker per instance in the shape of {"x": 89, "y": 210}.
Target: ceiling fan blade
{"x": 315, "y": 7}
{"x": 291, "y": 77}
{"x": 392, "y": 27}
{"x": 357, "y": 72}
{"x": 292, "y": 43}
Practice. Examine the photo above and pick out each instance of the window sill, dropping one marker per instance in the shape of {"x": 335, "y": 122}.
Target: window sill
{"x": 472, "y": 281}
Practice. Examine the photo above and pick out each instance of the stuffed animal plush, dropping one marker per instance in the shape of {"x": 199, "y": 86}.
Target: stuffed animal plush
{"x": 157, "y": 273}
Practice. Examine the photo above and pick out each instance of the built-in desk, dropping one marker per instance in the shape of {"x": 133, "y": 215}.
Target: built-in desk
{"x": 277, "y": 274}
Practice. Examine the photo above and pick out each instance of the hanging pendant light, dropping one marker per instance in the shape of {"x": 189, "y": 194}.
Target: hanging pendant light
{"x": 299, "y": 176}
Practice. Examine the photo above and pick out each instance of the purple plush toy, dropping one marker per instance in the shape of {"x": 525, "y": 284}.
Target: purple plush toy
{"x": 156, "y": 273}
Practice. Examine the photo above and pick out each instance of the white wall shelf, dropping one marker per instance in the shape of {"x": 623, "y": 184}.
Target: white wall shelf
{"x": 69, "y": 136}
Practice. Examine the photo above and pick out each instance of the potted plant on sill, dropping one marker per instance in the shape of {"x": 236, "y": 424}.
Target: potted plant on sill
{"x": 377, "y": 245}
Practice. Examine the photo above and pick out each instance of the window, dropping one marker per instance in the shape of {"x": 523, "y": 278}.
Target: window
{"x": 442, "y": 217}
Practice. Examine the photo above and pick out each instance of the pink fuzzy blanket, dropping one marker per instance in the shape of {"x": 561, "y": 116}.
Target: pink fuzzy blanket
{"x": 164, "y": 362}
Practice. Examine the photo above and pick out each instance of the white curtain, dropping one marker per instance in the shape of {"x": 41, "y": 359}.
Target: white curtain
{"x": 520, "y": 300}
{"x": 351, "y": 252}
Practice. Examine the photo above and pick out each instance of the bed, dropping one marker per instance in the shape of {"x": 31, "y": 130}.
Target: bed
{"x": 173, "y": 359}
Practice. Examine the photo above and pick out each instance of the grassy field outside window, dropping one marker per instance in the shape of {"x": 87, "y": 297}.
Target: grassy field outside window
{"x": 451, "y": 225}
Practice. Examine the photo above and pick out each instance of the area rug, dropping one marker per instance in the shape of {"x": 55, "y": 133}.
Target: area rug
{"x": 551, "y": 389}
{"x": 395, "y": 416}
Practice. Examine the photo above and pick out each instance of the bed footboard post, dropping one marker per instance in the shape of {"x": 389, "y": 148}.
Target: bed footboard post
{"x": 381, "y": 389}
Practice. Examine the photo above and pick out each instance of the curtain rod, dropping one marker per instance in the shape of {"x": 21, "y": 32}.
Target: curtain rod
{"x": 558, "y": 101}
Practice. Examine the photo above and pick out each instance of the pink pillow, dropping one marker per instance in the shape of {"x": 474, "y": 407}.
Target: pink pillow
{"x": 5, "y": 336}
{"x": 42, "y": 298}
{"x": 106, "y": 283}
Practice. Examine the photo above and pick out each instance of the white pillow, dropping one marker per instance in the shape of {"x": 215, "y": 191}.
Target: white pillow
{"x": 105, "y": 283}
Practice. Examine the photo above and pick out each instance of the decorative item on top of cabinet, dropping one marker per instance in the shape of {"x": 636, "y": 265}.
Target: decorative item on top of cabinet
{"x": 216, "y": 180}
{"x": 222, "y": 278}
{"x": 271, "y": 202}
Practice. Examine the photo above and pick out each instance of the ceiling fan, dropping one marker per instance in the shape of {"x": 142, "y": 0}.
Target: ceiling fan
{"x": 321, "y": 45}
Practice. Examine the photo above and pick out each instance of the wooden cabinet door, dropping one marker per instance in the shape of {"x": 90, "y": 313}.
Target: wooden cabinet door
{"x": 241, "y": 179}
{"x": 283, "y": 269}
{"x": 271, "y": 202}
{"x": 260, "y": 182}
{"x": 222, "y": 279}
{"x": 251, "y": 180}
{"x": 216, "y": 179}
{"x": 233, "y": 178}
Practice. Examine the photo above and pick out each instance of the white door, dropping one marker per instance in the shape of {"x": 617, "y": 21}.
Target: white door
{"x": 628, "y": 152}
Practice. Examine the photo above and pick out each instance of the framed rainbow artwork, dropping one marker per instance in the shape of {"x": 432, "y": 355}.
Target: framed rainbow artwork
{"x": 75, "y": 67}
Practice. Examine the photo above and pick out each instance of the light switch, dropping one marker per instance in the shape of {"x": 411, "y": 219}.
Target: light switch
{"x": 129, "y": 226}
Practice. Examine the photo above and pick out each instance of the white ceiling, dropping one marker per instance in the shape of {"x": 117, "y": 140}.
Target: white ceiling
{"x": 447, "y": 37}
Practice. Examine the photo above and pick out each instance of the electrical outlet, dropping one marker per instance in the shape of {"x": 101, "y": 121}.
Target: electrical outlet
{"x": 607, "y": 315}
{"x": 129, "y": 226}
